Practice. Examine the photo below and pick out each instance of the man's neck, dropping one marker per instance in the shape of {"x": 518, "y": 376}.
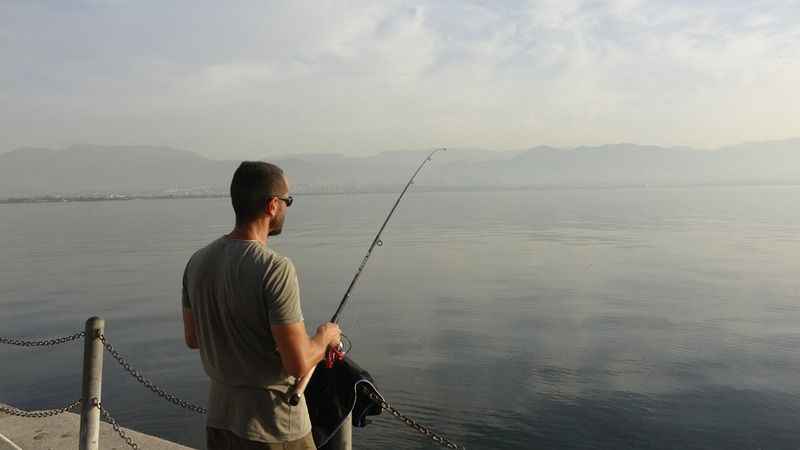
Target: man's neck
{"x": 253, "y": 231}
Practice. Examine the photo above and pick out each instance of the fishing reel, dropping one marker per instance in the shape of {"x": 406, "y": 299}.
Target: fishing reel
{"x": 336, "y": 353}
{"x": 333, "y": 355}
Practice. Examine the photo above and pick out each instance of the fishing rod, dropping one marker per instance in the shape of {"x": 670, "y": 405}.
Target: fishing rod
{"x": 300, "y": 386}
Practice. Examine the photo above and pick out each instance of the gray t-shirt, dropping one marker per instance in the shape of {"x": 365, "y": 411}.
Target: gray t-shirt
{"x": 236, "y": 289}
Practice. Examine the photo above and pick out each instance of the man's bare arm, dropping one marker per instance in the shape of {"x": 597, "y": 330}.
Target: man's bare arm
{"x": 299, "y": 353}
{"x": 188, "y": 330}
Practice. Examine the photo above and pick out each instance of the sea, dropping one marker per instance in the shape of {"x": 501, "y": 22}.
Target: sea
{"x": 614, "y": 318}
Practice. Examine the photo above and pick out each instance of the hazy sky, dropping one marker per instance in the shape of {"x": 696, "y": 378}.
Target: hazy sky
{"x": 237, "y": 79}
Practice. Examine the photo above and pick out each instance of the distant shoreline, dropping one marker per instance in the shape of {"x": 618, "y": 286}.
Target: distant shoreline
{"x": 126, "y": 197}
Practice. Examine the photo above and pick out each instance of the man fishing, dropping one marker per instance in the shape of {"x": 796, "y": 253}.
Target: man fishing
{"x": 241, "y": 303}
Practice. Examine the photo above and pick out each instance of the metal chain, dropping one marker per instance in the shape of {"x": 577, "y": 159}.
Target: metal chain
{"x": 54, "y": 412}
{"x": 115, "y": 425}
{"x": 172, "y": 398}
{"x": 42, "y": 343}
{"x": 38, "y": 414}
{"x": 436, "y": 437}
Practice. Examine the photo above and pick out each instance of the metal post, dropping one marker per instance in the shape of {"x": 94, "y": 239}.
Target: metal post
{"x": 92, "y": 384}
{"x": 343, "y": 439}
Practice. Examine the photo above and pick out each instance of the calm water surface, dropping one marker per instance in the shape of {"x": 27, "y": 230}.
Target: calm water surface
{"x": 569, "y": 319}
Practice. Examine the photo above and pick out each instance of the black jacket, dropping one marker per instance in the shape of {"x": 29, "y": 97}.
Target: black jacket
{"x": 332, "y": 394}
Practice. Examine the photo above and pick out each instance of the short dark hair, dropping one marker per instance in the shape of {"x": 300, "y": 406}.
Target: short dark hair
{"x": 254, "y": 182}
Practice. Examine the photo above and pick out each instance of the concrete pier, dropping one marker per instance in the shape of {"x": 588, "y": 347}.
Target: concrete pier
{"x": 61, "y": 432}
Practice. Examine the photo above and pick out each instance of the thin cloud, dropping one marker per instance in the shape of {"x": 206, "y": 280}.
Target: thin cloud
{"x": 364, "y": 77}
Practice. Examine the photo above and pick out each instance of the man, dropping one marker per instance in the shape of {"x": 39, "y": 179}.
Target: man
{"x": 240, "y": 304}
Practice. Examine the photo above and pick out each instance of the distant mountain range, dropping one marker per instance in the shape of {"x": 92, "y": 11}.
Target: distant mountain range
{"x": 141, "y": 170}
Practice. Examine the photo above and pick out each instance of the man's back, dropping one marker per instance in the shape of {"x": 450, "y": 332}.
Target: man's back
{"x": 236, "y": 290}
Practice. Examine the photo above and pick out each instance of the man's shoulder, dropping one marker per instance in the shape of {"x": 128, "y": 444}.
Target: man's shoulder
{"x": 201, "y": 253}
{"x": 275, "y": 260}
{"x": 263, "y": 256}
{"x": 258, "y": 256}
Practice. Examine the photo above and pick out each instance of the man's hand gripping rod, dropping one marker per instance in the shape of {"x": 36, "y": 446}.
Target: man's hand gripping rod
{"x": 300, "y": 386}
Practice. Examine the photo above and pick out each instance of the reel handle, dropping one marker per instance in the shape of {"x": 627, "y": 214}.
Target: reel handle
{"x": 300, "y": 387}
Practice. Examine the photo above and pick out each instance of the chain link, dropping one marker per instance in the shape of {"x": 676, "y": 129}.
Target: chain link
{"x": 115, "y": 425}
{"x": 436, "y": 437}
{"x": 42, "y": 343}
{"x": 172, "y": 398}
{"x": 38, "y": 414}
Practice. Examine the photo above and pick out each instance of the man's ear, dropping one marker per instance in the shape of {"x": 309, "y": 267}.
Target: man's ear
{"x": 270, "y": 207}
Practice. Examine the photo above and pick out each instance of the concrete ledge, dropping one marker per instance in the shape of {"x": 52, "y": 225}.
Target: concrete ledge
{"x": 61, "y": 432}
{"x": 6, "y": 444}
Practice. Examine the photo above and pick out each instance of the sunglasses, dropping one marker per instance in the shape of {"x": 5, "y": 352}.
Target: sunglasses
{"x": 288, "y": 199}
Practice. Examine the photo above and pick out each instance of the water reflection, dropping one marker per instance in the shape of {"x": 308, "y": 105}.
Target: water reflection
{"x": 528, "y": 319}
